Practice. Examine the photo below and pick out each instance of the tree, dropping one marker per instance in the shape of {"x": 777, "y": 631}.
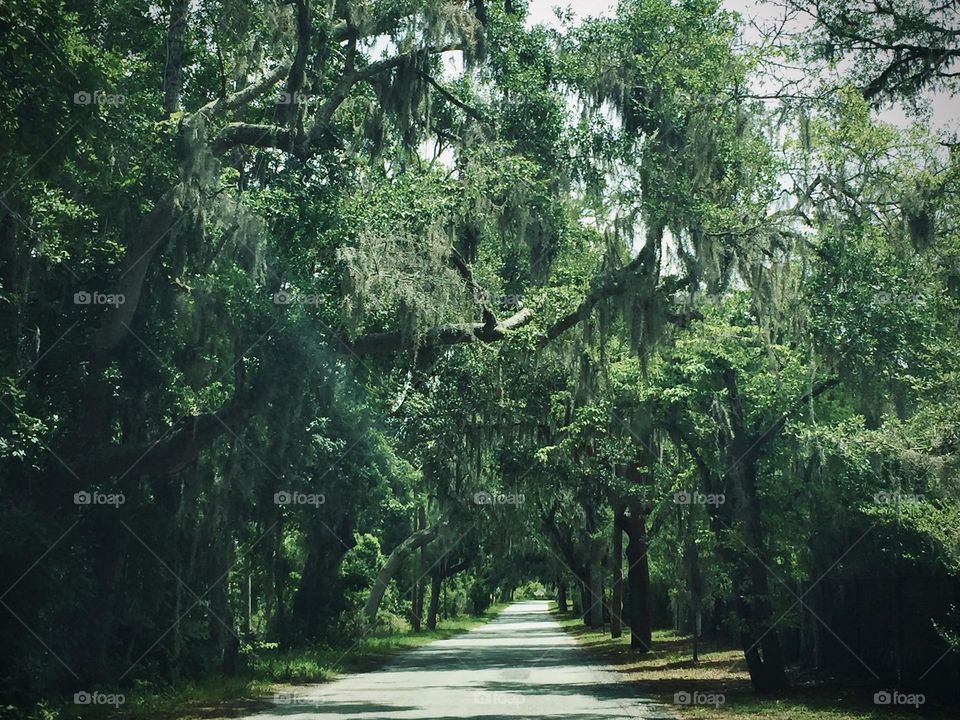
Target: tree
{"x": 899, "y": 49}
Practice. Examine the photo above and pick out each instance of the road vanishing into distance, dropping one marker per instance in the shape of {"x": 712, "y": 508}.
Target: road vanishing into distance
{"x": 519, "y": 665}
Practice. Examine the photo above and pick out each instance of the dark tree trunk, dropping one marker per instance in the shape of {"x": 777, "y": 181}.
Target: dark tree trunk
{"x": 305, "y": 601}
{"x": 585, "y": 598}
{"x": 616, "y": 593}
{"x": 416, "y": 606}
{"x": 172, "y": 73}
{"x": 319, "y": 596}
{"x": 596, "y": 595}
{"x": 638, "y": 581}
{"x": 694, "y": 577}
{"x": 761, "y": 642}
{"x": 416, "y": 611}
{"x": 277, "y": 620}
{"x": 416, "y": 540}
{"x": 772, "y": 674}
{"x": 436, "y": 581}
{"x": 749, "y": 582}
{"x": 764, "y": 656}
{"x": 562, "y": 597}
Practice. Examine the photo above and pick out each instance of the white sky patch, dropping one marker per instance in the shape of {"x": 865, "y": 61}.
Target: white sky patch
{"x": 756, "y": 14}
{"x": 944, "y": 108}
{"x": 542, "y": 12}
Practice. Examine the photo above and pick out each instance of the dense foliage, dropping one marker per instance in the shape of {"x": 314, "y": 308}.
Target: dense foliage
{"x": 328, "y": 319}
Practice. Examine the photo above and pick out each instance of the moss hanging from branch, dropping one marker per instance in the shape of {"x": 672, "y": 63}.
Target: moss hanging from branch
{"x": 404, "y": 276}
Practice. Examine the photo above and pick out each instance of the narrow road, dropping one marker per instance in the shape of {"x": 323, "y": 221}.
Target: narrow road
{"x": 519, "y": 665}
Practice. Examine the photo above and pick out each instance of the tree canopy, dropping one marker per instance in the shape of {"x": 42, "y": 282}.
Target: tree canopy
{"x": 322, "y": 318}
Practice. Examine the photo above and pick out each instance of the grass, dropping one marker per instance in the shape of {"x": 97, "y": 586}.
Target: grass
{"x": 721, "y": 671}
{"x": 270, "y": 671}
{"x": 320, "y": 664}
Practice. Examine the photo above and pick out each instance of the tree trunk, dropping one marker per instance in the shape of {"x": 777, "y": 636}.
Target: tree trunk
{"x": 695, "y": 577}
{"x": 390, "y": 567}
{"x": 277, "y": 620}
{"x": 416, "y": 606}
{"x": 747, "y": 586}
{"x": 585, "y": 598}
{"x": 445, "y": 606}
{"x": 596, "y": 595}
{"x": 319, "y": 595}
{"x": 638, "y": 582}
{"x": 696, "y": 635}
{"x": 416, "y": 611}
{"x": 616, "y": 593}
{"x": 562, "y": 597}
{"x": 176, "y": 36}
{"x": 767, "y": 672}
{"x": 436, "y": 581}
{"x": 772, "y": 675}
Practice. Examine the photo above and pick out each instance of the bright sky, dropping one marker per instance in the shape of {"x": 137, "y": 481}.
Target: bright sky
{"x": 945, "y": 109}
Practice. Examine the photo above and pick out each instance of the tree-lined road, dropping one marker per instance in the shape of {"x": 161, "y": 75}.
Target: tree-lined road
{"x": 319, "y": 317}
{"x": 520, "y": 665}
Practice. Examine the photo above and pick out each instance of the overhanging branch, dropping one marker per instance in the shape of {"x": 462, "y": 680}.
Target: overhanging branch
{"x": 220, "y": 106}
{"x": 383, "y": 343}
{"x": 609, "y": 285}
{"x": 454, "y": 100}
{"x": 612, "y": 285}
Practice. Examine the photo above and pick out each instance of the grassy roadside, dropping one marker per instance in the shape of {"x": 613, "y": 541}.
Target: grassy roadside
{"x": 721, "y": 671}
{"x": 271, "y": 671}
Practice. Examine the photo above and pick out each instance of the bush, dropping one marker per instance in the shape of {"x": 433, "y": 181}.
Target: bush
{"x": 480, "y": 597}
{"x": 531, "y": 590}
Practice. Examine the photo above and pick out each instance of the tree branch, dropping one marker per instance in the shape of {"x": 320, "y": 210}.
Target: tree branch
{"x": 173, "y": 70}
{"x": 169, "y": 453}
{"x": 221, "y": 106}
{"x": 777, "y": 426}
{"x": 416, "y": 540}
{"x": 609, "y": 285}
{"x": 383, "y": 343}
{"x": 613, "y": 284}
{"x": 286, "y": 112}
{"x": 454, "y": 100}
{"x": 254, "y": 135}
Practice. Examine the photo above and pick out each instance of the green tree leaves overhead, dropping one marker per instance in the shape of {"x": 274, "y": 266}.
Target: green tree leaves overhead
{"x": 354, "y": 302}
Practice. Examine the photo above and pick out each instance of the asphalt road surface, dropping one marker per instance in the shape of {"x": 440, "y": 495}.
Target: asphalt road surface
{"x": 519, "y": 665}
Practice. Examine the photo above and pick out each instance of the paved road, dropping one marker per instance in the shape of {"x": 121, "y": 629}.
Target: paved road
{"x": 519, "y": 665}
